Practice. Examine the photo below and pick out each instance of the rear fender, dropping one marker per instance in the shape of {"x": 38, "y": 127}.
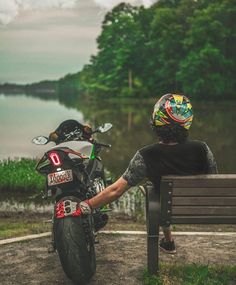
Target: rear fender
{"x": 67, "y": 206}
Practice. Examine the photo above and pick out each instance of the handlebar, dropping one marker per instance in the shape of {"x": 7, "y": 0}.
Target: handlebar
{"x": 76, "y": 134}
{"x": 102, "y": 144}
{"x": 79, "y": 136}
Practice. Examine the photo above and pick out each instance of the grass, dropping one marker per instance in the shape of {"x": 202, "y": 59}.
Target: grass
{"x": 21, "y": 225}
{"x": 20, "y": 176}
{"x": 193, "y": 274}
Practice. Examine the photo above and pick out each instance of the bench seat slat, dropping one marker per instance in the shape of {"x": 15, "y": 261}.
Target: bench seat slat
{"x": 205, "y": 210}
{"x": 219, "y": 180}
{"x": 203, "y": 220}
{"x": 200, "y": 177}
{"x": 205, "y": 183}
{"x": 204, "y": 201}
{"x": 224, "y": 192}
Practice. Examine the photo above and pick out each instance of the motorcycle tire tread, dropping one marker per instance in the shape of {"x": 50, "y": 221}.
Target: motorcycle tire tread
{"x": 77, "y": 256}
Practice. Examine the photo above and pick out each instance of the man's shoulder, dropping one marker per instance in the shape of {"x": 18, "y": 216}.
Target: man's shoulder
{"x": 156, "y": 146}
{"x": 148, "y": 148}
{"x": 197, "y": 143}
{"x": 149, "y": 151}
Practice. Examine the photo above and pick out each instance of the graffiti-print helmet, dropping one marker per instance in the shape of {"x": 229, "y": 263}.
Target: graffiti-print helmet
{"x": 173, "y": 109}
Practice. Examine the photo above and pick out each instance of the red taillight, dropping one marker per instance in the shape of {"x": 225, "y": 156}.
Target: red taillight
{"x": 55, "y": 158}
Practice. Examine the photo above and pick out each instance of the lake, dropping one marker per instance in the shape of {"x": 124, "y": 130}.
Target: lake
{"x": 22, "y": 118}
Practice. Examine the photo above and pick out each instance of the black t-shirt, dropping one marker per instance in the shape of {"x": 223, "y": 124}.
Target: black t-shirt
{"x": 154, "y": 161}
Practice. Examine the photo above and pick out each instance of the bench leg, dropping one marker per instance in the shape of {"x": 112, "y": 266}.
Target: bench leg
{"x": 153, "y": 254}
{"x": 153, "y": 224}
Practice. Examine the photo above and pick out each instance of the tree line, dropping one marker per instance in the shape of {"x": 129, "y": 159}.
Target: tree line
{"x": 183, "y": 46}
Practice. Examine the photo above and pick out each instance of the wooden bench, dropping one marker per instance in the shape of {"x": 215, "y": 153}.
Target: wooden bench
{"x": 200, "y": 199}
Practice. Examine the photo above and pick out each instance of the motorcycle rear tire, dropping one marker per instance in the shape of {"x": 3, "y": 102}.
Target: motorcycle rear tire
{"x": 76, "y": 254}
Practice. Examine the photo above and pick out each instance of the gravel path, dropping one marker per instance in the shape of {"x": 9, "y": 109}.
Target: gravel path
{"x": 120, "y": 259}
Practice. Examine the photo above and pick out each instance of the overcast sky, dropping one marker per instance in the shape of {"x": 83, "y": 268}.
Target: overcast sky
{"x": 47, "y": 39}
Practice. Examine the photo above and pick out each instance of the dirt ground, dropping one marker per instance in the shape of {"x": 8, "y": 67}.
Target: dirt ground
{"x": 121, "y": 259}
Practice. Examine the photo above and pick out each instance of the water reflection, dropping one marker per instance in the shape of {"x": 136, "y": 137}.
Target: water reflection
{"x": 213, "y": 123}
{"x": 131, "y": 203}
{"x": 23, "y": 117}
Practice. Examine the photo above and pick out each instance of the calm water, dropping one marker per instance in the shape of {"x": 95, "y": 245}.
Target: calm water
{"x": 22, "y": 118}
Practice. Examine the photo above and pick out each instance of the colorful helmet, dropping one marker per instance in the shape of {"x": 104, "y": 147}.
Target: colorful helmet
{"x": 173, "y": 108}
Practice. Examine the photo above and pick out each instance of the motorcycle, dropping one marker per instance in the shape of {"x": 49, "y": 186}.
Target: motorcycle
{"x": 74, "y": 172}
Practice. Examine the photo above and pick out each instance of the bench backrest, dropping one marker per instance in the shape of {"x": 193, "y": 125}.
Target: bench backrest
{"x": 201, "y": 199}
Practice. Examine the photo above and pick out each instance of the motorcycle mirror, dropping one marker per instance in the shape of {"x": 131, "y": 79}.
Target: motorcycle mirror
{"x": 104, "y": 128}
{"x": 40, "y": 140}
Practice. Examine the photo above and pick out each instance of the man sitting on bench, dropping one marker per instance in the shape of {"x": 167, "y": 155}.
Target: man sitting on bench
{"x": 173, "y": 154}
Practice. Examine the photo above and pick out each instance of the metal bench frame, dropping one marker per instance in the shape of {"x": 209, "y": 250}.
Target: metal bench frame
{"x": 200, "y": 199}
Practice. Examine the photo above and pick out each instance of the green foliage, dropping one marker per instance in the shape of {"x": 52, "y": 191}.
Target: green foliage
{"x": 192, "y": 275}
{"x": 118, "y": 48}
{"x": 209, "y": 66}
{"x": 166, "y": 35}
{"x": 20, "y": 176}
{"x": 151, "y": 280}
{"x": 173, "y": 46}
{"x": 181, "y": 46}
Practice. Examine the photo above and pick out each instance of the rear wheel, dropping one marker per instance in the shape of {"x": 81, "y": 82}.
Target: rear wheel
{"x": 75, "y": 249}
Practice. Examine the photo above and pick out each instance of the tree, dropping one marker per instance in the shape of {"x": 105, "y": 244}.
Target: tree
{"x": 173, "y": 46}
{"x": 209, "y": 66}
{"x": 117, "y": 57}
{"x": 165, "y": 51}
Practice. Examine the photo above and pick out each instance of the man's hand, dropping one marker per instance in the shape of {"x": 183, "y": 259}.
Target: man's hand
{"x": 85, "y": 207}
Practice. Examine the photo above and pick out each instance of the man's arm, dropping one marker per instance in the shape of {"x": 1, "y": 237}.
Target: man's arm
{"x": 110, "y": 194}
{"x": 135, "y": 173}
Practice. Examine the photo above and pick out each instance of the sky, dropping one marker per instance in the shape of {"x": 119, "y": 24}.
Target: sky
{"x": 47, "y": 39}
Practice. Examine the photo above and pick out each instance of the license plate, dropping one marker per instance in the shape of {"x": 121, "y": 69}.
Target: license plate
{"x": 60, "y": 177}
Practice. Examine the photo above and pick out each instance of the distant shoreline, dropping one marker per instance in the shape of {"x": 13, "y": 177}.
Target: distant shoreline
{"x": 43, "y": 87}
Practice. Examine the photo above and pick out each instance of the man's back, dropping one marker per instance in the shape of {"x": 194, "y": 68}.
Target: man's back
{"x": 187, "y": 158}
{"x": 156, "y": 160}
